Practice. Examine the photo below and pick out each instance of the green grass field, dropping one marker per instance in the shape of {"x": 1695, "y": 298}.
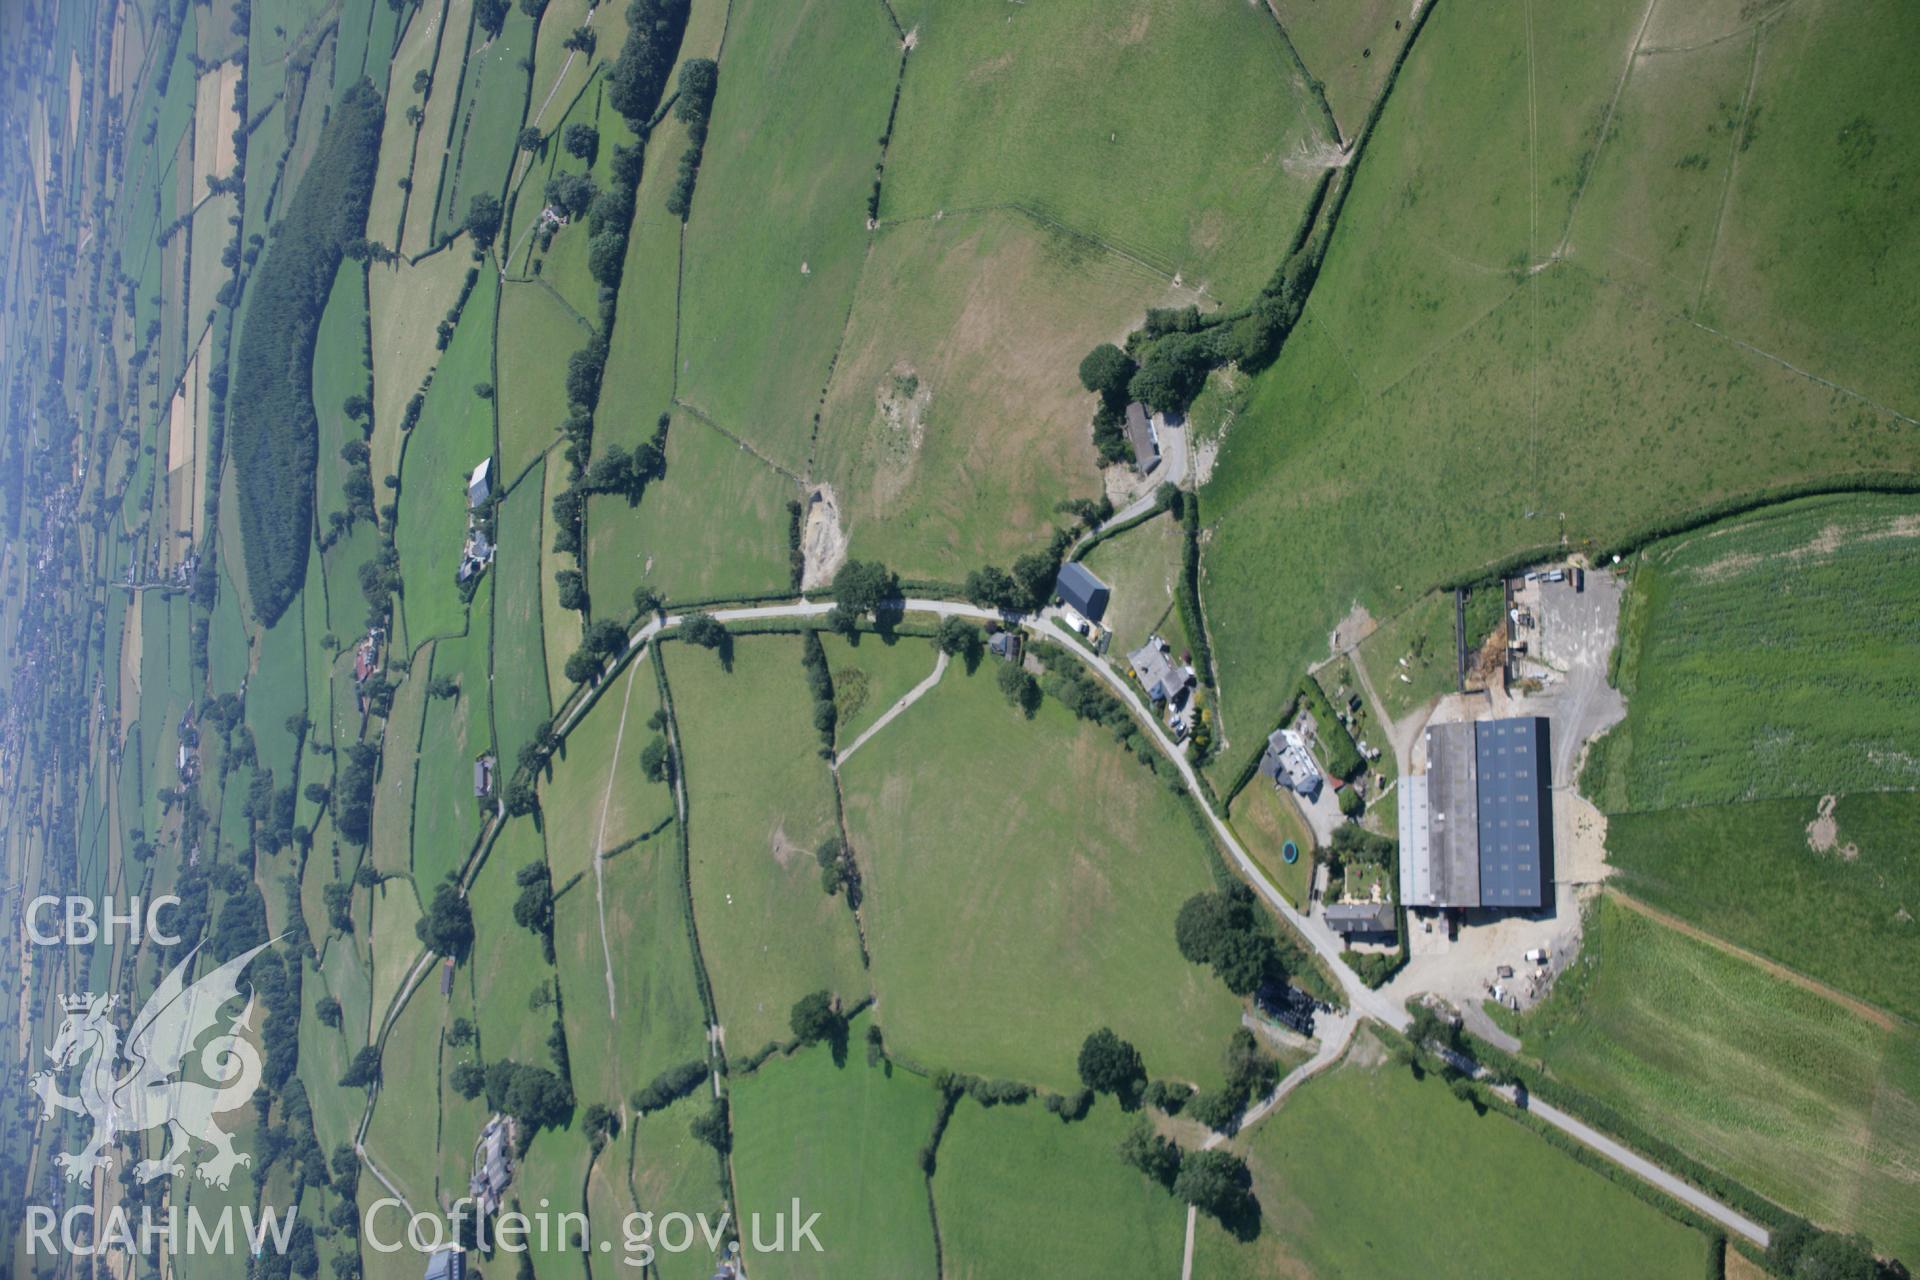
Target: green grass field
{"x": 597, "y": 798}
{"x": 759, "y": 801}
{"x": 1810, "y": 157}
{"x": 508, "y": 971}
{"x": 1142, "y": 566}
{"x": 405, "y": 1138}
{"x": 1430, "y": 347}
{"x": 493, "y": 97}
{"x": 869, "y": 677}
{"x": 536, "y": 336}
{"x": 1790, "y": 1093}
{"x": 668, "y": 1171}
{"x": 520, "y": 704}
{"x": 446, "y": 814}
{"x": 1492, "y": 1191}
{"x": 954, "y": 423}
{"x": 1742, "y": 688}
{"x": 399, "y": 758}
{"x": 776, "y": 241}
{"x": 658, "y": 1020}
{"x": 842, "y": 1138}
{"x": 1018, "y": 1192}
{"x": 1348, "y": 48}
{"x": 1004, "y": 855}
{"x": 1215, "y": 176}
{"x": 714, "y": 526}
{"x": 455, "y": 434}
{"x": 1411, "y": 657}
{"x": 1684, "y": 860}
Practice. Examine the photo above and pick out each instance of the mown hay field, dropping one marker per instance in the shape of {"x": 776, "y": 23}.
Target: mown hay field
{"x": 1782, "y": 1088}
{"x": 1771, "y": 656}
{"x": 1019, "y": 1192}
{"x": 954, "y": 423}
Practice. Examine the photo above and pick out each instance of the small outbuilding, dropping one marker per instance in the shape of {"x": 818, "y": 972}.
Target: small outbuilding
{"x": 480, "y": 483}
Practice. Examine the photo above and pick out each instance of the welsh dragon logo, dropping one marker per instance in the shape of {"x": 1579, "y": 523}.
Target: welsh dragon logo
{"x": 159, "y": 1041}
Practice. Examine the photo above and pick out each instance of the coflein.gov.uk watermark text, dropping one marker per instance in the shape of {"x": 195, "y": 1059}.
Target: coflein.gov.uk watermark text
{"x": 388, "y": 1227}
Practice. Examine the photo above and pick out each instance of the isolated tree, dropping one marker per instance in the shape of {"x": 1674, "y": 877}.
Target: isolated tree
{"x": 654, "y": 761}
{"x": 483, "y": 220}
{"x": 327, "y": 1009}
{"x": 1109, "y": 1064}
{"x": 959, "y": 638}
{"x": 490, "y": 15}
{"x": 531, "y": 138}
{"x": 815, "y": 1019}
{"x": 363, "y": 1070}
{"x": 581, "y": 40}
{"x": 1218, "y": 1184}
{"x": 581, "y": 140}
{"x": 444, "y": 687}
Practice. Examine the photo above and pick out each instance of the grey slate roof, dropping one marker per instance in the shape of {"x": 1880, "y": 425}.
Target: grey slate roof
{"x": 1146, "y": 451}
{"x": 1080, "y": 589}
{"x": 1359, "y": 917}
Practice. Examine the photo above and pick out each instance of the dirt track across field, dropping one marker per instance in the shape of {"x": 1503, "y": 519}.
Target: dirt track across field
{"x": 1878, "y": 1017}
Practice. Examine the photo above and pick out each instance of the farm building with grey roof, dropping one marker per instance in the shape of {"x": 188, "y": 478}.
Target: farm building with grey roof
{"x": 1476, "y": 829}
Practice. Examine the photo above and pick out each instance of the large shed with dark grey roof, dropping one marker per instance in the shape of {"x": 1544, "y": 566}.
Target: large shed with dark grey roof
{"x": 1080, "y": 591}
{"x": 1477, "y": 827}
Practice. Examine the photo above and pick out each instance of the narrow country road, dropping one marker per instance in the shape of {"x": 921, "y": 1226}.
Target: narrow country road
{"x": 1362, "y": 1000}
{"x": 1334, "y": 1040}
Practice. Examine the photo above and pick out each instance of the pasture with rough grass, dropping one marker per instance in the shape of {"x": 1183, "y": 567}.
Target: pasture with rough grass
{"x": 759, "y": 802}
{"x": 1443, "y": 404}
{"x": 1004, "y": 854}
